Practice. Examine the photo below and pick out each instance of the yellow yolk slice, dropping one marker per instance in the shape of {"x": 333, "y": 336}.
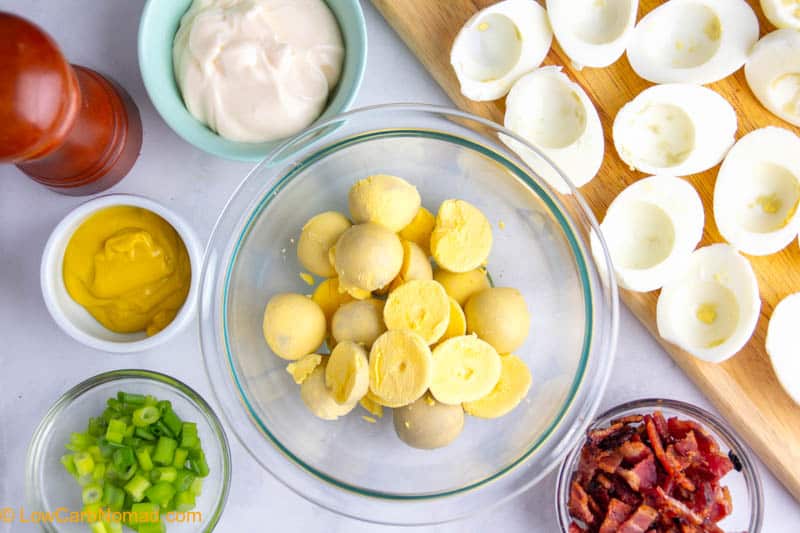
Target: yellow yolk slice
{"x": 419, "y": 230}
{"x": 302, "y": 368}
{"x": 465, "y": 369}
{"x": 399, "y": 368}
{"x": 511, "y": 388}
{"x": 347, "y": 373}
{"x": 460, "y": 286}
{"x": 421, "y": 306}
{"x": 462, "y": 238}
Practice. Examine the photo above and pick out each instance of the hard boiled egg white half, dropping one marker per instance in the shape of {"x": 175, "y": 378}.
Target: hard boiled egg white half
{"x": 693, "y": 41}
{"x": 758, "y": 190}
{"x": 593, "y": 33}
{"x": 498, "y": 45}
{"x": 651, "y": 229}
{"x": 711, "y": 308}
{"x": 674, "y": 129}
{"x": 555, "y": 115}
{"x": 783, "y": 338}
{"x": 782, "y": 13}
{"x": 773, "y": 74}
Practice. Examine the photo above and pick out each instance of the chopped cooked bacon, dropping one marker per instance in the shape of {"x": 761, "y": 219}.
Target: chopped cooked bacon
{"x": 641, "y": 519}
{"x": 628, "y": 419}
{"x": 609, "y": 461}
{"x": 645, "y": 473}
{"x": 687, "y": 446}
{"x": 579, "y": 504}
{"x": 677, "y": 509}
{"x": 633, "y": 452}
{"x": 722, "y": 505}
{"x": 642, "y": 476}
{"x": 661, "y": 424}
{"x": 618, "y": 511}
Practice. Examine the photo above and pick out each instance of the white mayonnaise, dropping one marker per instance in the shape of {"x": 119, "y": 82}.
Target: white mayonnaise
{"x": 257, "y": 70}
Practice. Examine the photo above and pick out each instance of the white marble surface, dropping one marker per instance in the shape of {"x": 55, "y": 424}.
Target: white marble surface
{"x": 40, "y": 362}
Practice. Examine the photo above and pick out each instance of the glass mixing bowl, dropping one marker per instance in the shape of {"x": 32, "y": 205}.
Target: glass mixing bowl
{"x": 541, "y": 247}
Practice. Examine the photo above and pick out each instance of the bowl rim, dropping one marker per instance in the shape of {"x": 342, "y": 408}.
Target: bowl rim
{"x": 35, "y": 450}
{"x": 217, "y": 147}
{"x": 64, "y": 230}
{"x": 603, "y": 343}
{"x": 709, "y": 420}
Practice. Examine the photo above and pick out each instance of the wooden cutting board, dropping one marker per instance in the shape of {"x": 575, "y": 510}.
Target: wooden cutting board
{"x": 744, "y": 388}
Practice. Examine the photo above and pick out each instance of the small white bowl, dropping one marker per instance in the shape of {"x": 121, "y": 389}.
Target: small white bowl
{"x": 73, "y": 318}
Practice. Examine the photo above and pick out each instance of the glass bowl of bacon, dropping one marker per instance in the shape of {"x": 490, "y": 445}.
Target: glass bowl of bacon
{"x": 659, "y": 466}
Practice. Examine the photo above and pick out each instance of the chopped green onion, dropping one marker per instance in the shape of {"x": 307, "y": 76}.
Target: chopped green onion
{"x": 183, "y": 480}
{"x": 144, "y": 513}
{"x": 164, "y": 405}
{"x": 69, "y": 463}
{"x": 161, "y": 493}
{"x": 143, "y": 457}
{"x": 113, "y": 497}
{"x": 99, "y": 472}
{"x": 165, "y": 451}
{"x": 197, "y": 462}
{"x": 160, "y": 429}
{"x": 78, "y": 442}
{"x": 116, "y": 430}
{"x": 144, "y": 434}
{"x": 136, "y": 487}
{"x": 164, "y": 473}
{"x": 93, "y": 512}
{"x": 84, "y": 464}
{"x": 172, "y": 421}
{"x": 97, "y": 427}
{"x": 184, "y": 501}
{"x": 181, "y": 454}
{"x": 189, "y": 435}
{"x": 95, "y": 452}
{"x": 127, "y": 474}
{"x": 133, "y": 399}
{"x": 197, "y": 487}
{"x": 122, "y": 458}
{"x": 98, "y": 527}
{"x": 146, "y": 415}
{"x": 92, "y": 494}
{"x": 113, "y": 527}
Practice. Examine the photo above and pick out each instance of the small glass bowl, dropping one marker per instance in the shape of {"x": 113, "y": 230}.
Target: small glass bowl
{"x": 49, "y": 487}
{"x": 744, "y": 484}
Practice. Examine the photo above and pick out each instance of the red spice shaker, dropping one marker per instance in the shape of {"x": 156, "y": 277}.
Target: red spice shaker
{"x": 65, "y": 126}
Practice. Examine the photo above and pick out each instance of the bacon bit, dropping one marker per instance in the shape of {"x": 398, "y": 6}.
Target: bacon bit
{"x": 642, "y": 476}
{"x": 617, "y": 513}
{"x": 634, "y": 452}
{"x": 629, "y": 419}
{"x": 579, "y": 504}
{"x": 645, "y": 473}
{"x": 610, "y": 461}
{"x": 639, "y": 521}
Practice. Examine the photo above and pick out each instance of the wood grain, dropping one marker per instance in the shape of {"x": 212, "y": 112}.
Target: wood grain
{"x": 744, "y": 388}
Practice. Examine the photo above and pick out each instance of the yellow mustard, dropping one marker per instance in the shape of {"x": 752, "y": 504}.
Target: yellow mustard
{"x": 129, "y": 268}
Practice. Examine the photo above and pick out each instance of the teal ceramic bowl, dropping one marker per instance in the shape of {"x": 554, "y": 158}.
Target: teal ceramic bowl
{"x": 160, "y": 21}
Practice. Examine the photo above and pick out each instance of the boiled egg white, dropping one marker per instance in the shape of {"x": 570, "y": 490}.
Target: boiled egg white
{"x": 674, "y": 129}
{"x": 498, "y": 45}
{"x": 593, "y": 33}
{"x": 693, "y": 41}
{"x": 555, "y": 115}
{"x": 758, "y": 191}
{"x": 651, "y": 229}
{"x": 782, "y": 13}
{"x": 773, "y": 74}
{"x": 711, "y": 308}
{"x": 783, "y": 338}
